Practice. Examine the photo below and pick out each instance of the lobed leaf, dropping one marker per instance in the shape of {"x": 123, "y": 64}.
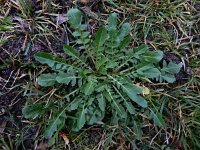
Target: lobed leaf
{"x": 101, "y": 102}
{"x": 125, "y": 42}
{"x": 89, "y": 87}
{"x": 100, "y": 62}
{"x": 170, "y": 78}
{"x": 55, "y": 123}
{"x": 168, "y": 71}
{"x": 152, "y": 56}
{"x": 148, "y": 70}
{"x": 100, "y": 38}
{"x": 140, "y": 50}
{"x": 131, "y": 91}
{"x": 130, "y": 107}
{"x": 75, "y": 103}
{"x": 158, "y": 120}
{"x": 47, "y": 79}
{"x": 33, "y": 111}
{"x": 52, "y": 78}
{"x": 65, "y": 78}
{"x": 171, "y": 68}
{"x": 81, "y": 118}
{"x": 112, "y": 22}
{"x": 51, "y": 61}
{"x": 75, "y": 18}
{"x": 124, "y": 31}
{"x": 93, "y": 117}
{"x": 120, "y": 109}
{"x": 71, "y": 51}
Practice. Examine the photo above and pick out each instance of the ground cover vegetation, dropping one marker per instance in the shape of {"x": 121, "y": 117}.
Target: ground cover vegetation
{"x": 99, "y": 74}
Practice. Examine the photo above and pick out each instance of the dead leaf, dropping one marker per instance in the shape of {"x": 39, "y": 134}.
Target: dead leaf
{"x": 84, "y": 1}
{"x": 122, "y": 144}
{"x": 23, "y": 24}
{"x": 2, "y": 111}
{"x": 89, "y": 12}
{"x": 145, "y": 91}
{"x": 61, "y": 19}
{"x": 42, "y": 146}
{"x": 65, "y": 138}
{"x": 2, "y": 126}
{"x": 2, "y": 2}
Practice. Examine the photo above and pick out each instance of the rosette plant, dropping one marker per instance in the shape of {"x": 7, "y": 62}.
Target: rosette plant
{"x": 104, "y": 77}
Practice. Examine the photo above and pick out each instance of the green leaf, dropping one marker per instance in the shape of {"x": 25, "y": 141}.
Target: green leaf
{"x": 128, "y": 104}
{"x": 55, "y": 123}
{"x": 140, "y": 50}
{"x": 148, "y": 70}
{"x": 158, "y": 120}
{"x": 152, "y": 56}
{"x": 151, "y": 73}
{"x": 81, "y": 118}
{"x": 130, "y": 107}
{"x": 75, "y": 104}
{"x": 71, "y": 51}
{"x": 89, "y": 87}
{"x": 168, "y": 77}
{"x": 100, "y": 62}
{"x": 52, "y": 140}
{"x": 79, "y": 41}
{"x": 138, "y": 130}
{"x": 76, "y": 34}
{"x": 6, "y": 27}
{"x": 74, "y": 54}
{"x": 65, "y": 78}
{"x": 125, "y": 42}
{"x": 111, "y": 64}
{"x": 93, "y": 119}
{"x": 33, "y": 111}
{"x": 100, "y": 38}
{"x": 124, "y": 31}
{"x": 101, "y": 102}
{"x": 133, "y": 96}
{"x": 120, "y": 109}
{"x": 83, "y": 27}
{"x": 171, "y": 68}
{"x": 90, "y": 101}
{"x": 112, "y": 21}
{"x": 51, "y": 61}
{"x": 52, "y": 78}
{"x": 168, "y": 71}
{"x": 75, "y": 18}
{"x": 132, "y": 91}
{"x": 47, "y": 79}
{"x": 107, "y": 95}
{"x": 85, "y": 34}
